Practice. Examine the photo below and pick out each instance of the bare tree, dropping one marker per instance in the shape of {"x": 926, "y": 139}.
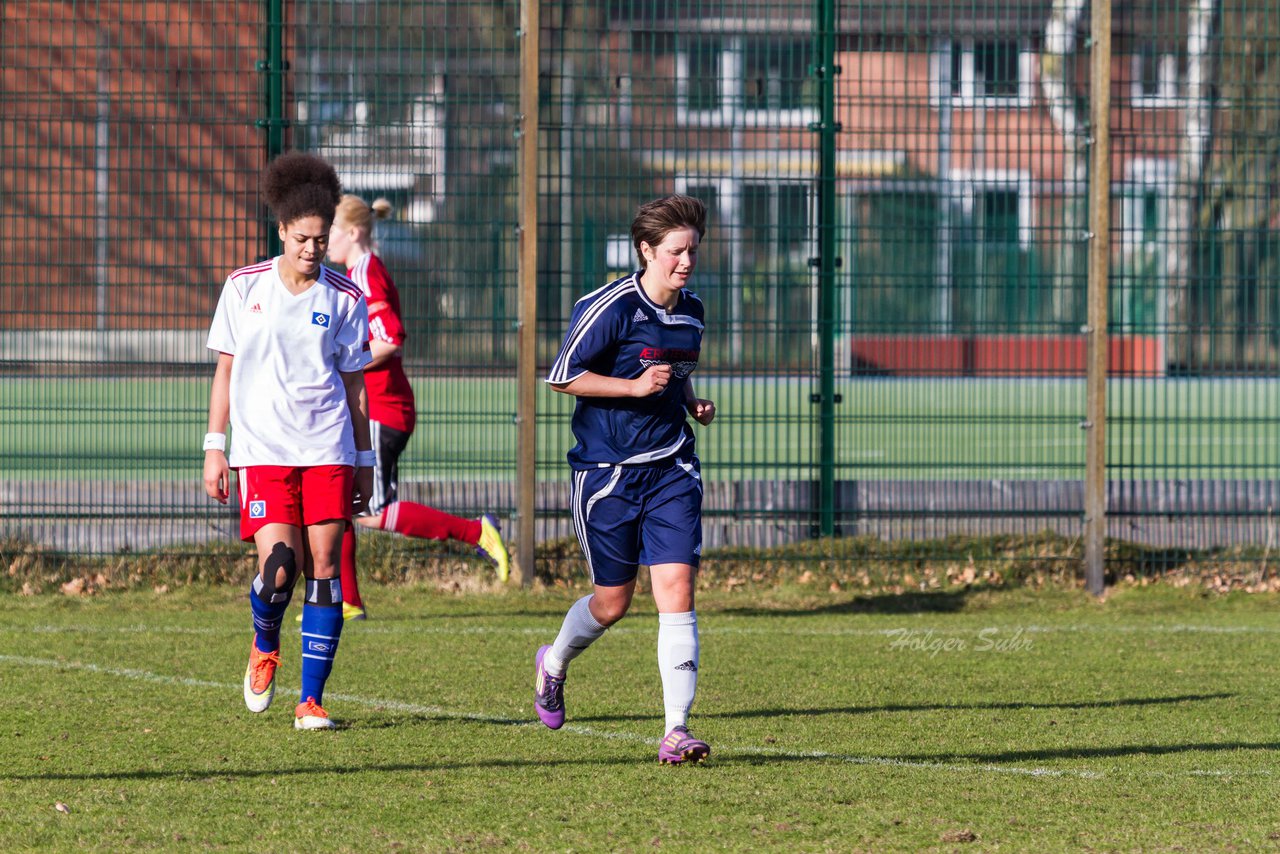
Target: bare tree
{"x": 1193, "y": 158}
{"x": 1056, "y": 79}
{"x": 1240, "y": 204}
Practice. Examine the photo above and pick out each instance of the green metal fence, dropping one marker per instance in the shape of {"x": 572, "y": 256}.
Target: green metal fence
{"x": 895, "y": 272}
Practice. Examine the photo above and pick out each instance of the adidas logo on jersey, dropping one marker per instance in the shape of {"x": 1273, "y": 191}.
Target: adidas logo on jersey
{"x": 639, "y": 316}
{"x": 256, "y": 308}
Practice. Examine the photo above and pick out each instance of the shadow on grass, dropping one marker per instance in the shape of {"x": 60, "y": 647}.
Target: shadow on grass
{"x": 205, "y": 774}
{"x": 1125, "y": 558}
{"x": 721, "y": 760}
{"x": 933, "y": 602}
{"x": 924, "y": 707}
{"x": 1119, "y": 750}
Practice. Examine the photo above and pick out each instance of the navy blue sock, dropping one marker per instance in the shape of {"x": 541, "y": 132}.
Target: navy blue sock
{"x": 267, "y": 617}
{"x": 321, "y": 628}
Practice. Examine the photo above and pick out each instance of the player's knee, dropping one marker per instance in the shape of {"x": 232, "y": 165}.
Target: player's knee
{"x": 324, "y": 566}
{"x": 609, "y": 611}
{"x": 279, "y": 573}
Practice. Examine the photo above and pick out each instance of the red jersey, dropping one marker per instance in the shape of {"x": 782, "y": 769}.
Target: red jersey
{"x": 390, "y": 395}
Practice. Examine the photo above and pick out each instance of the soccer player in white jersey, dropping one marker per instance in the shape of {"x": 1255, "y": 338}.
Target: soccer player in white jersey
{"x": 292, "y": 338}
{"x": 637, "y": 489}
{"x": 392, "y": 414}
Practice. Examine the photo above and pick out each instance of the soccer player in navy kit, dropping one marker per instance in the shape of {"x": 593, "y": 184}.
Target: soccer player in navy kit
{"x": 637, "y": 489}
{"x": 292, "y": 338}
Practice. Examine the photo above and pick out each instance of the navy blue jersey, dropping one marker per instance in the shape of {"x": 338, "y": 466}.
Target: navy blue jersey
{"x": 617, "y": 331}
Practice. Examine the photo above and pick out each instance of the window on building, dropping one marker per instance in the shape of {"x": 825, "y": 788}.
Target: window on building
{"x": 745, "y": 80}
{"x": 895, "y": 246}
{"x": 993, "y": 208}
{"x": 775, "y": 224}
{"x": 1143, "y": 203}
{"x": 995, "y": 69}
{"x": 1137, "y": 290}
{"x": 709, "y": 194}
{"x": 988, "y": 71}
{"x": 702, "y": 78}
{"x": 995, "y": 276}
{"x": 997, "y": 216}
{"x": 1155, "y": 78}
{"x": 1149, "y": 227}
{"x": 775, "y": 74}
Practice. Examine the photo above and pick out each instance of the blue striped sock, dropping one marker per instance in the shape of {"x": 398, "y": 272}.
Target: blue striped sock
{"x": 321, "y": 628}
{"x": 267, "y": 617}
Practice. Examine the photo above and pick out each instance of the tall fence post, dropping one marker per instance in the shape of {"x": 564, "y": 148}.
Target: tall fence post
{"x": 1095, "y": 484}
{"x": 827, "y": 128}
{"x": 273, "y": 70}
{"x": 527, "y": 276}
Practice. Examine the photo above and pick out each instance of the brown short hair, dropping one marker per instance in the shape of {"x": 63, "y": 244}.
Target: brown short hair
{"x": 658, "y": 218}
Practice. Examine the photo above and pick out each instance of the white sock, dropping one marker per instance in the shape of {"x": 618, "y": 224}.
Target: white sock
{"x": 678, "y": 664}
{"x": 578, "y": 632}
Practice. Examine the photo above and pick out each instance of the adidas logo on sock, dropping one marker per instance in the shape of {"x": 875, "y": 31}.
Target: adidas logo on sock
{"x": 688, "y": 665}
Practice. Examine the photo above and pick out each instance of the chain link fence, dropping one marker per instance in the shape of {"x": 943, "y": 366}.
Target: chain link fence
{"x": 895, "y": 271}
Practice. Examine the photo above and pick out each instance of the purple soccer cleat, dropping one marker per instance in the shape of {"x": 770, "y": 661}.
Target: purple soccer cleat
{"x": 548, "y": 693}
{"x": 679, "y": 747}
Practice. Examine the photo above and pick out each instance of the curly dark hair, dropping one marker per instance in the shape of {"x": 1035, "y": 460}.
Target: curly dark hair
{"x": 298, "y": 185}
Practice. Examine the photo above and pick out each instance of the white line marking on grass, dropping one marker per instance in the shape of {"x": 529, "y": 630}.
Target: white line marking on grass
{"x": 127, "y": 673}
{"x": 743, "y": 750}
{"x": 394, "y": 628}
{"x": 136, "y": 629}
{"x": 161, "y": 679}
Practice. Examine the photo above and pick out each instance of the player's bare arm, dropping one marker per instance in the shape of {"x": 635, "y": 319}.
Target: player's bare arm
{"x": 358, "y": 403}
{"x": 382, "y": 353}
{"x": 652, "y": 381}
{"x": 217, "y": 474}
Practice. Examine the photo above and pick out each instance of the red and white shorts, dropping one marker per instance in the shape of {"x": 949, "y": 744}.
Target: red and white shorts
{"x": 293, "y": 495}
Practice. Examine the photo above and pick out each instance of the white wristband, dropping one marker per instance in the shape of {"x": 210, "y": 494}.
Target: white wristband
{"x": 215, "y": 441}
{"x": 366, "y": 459}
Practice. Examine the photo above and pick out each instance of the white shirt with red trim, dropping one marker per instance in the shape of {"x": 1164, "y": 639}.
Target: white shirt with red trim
{"x": 288, "y": 401}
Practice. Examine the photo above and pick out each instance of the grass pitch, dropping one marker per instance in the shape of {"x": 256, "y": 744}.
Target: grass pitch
{"x": 1007, "y": 719}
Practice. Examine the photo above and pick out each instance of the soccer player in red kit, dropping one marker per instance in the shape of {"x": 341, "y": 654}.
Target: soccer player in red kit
{"x": 391, "y": 407}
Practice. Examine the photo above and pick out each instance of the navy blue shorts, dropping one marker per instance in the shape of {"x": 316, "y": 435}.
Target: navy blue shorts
{"x": 643, "y": 514}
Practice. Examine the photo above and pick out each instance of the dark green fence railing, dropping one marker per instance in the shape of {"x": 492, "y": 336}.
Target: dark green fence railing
{"x": 895, "y": 272}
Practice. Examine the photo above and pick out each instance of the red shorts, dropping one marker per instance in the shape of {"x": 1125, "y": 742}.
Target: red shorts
{"x": 293, "y": 495}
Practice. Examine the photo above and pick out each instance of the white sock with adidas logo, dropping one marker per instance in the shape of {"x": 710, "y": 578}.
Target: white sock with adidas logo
{"x": 678, "y": 664}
